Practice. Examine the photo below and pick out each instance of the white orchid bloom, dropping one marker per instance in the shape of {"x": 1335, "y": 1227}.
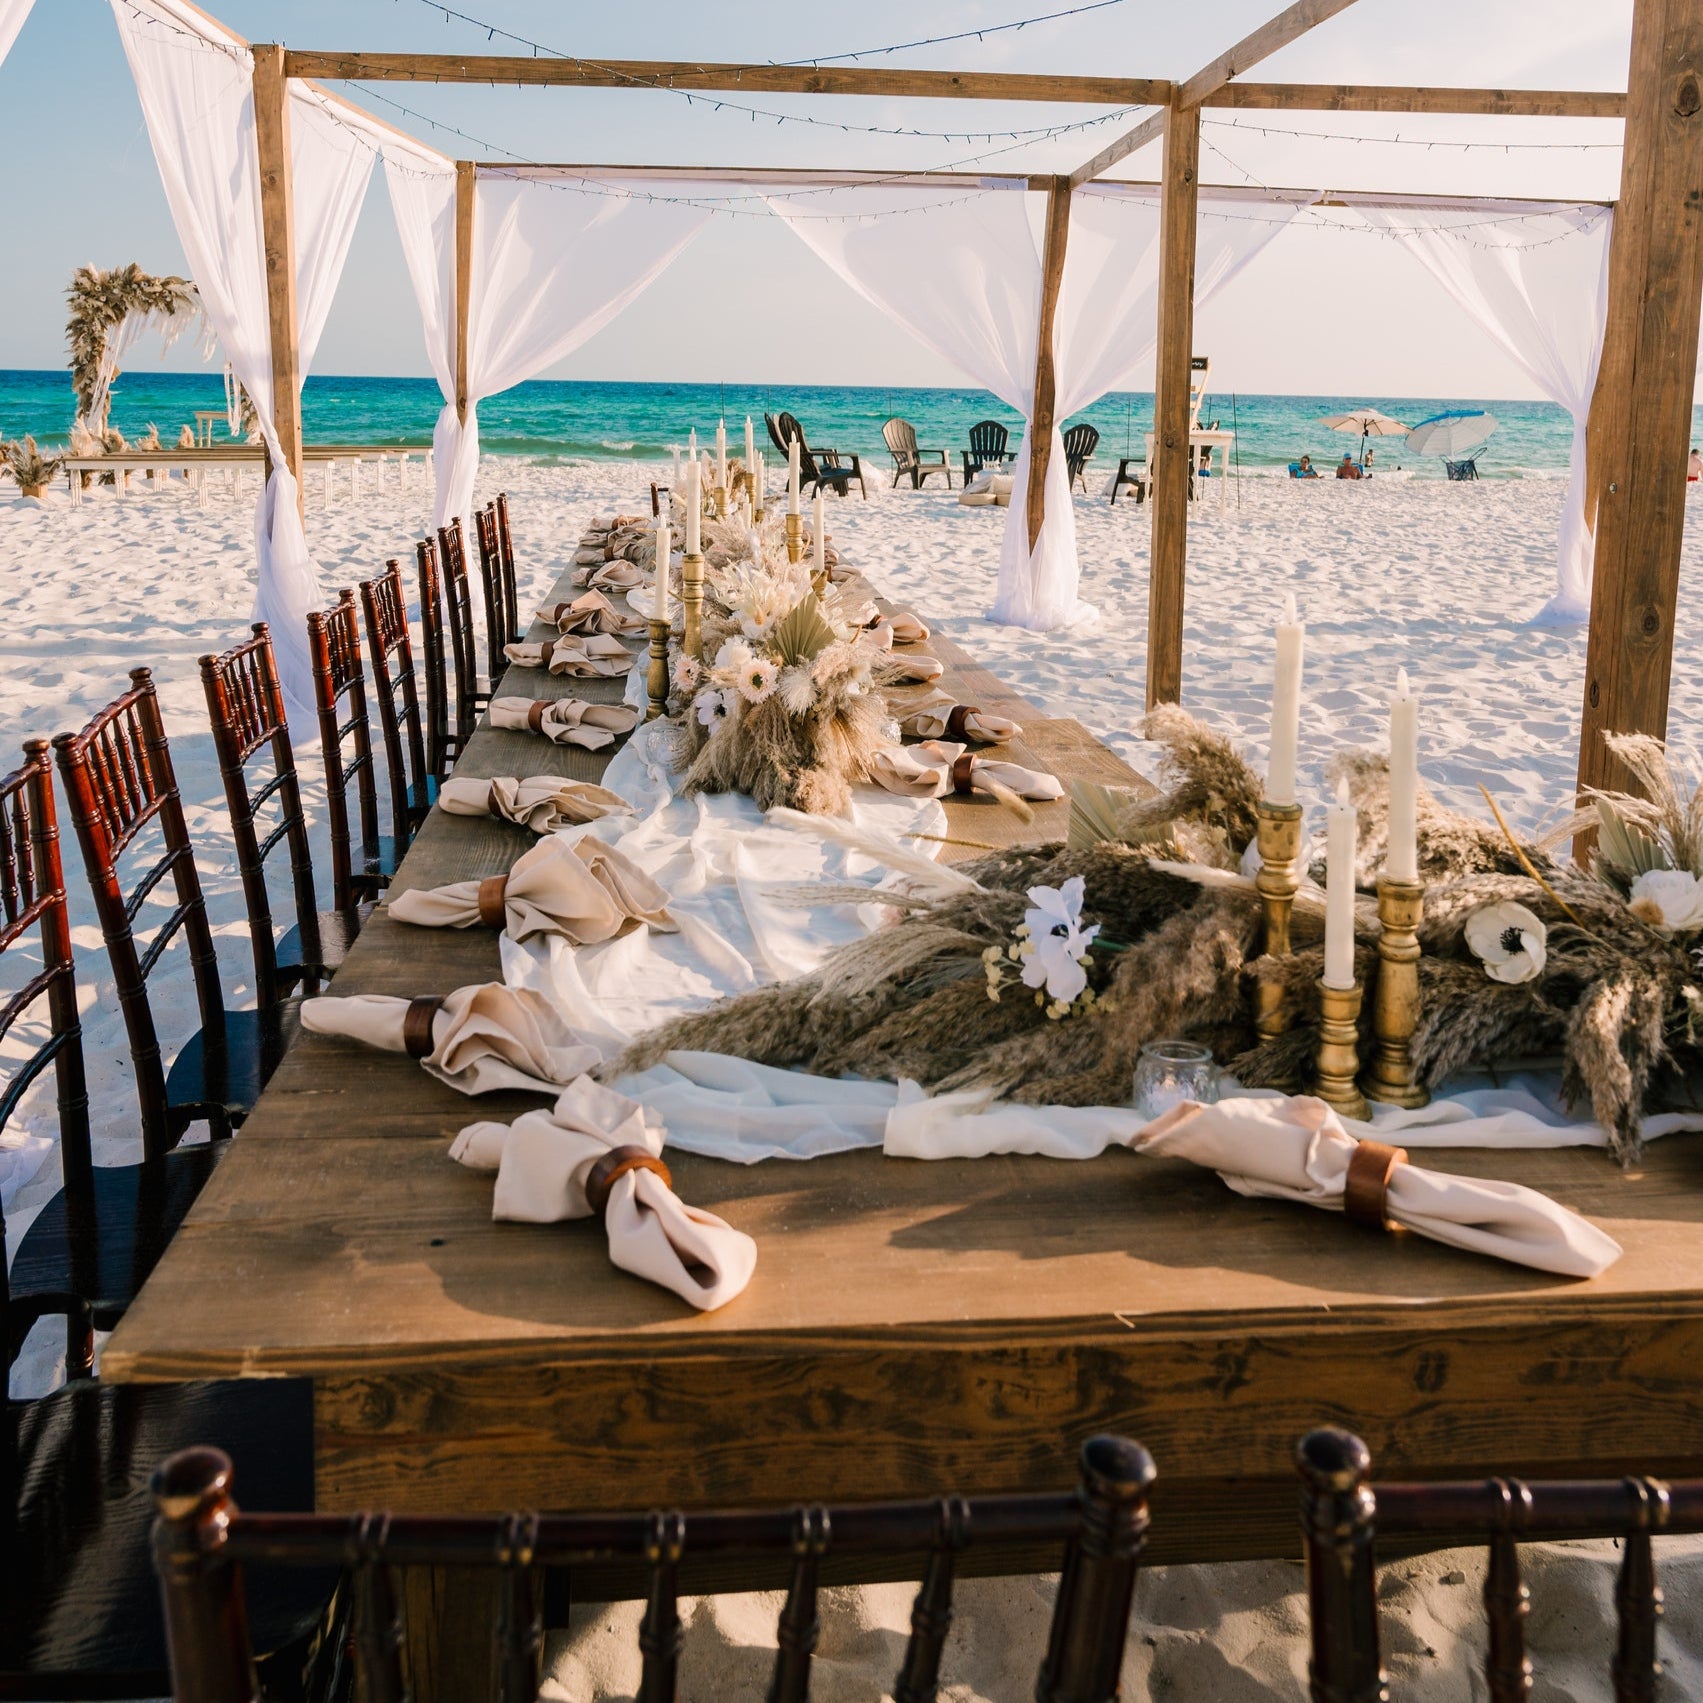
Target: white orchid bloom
{"x": 1056, "y": 949}
{"x": 1669, "y": 898}
{"x": 1511, "y": 941}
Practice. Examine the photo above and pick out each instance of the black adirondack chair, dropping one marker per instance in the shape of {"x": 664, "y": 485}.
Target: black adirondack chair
{"x": 1080, "y": 442}
{"x": 989, "y": 441}
{"x": 822, "y": 467}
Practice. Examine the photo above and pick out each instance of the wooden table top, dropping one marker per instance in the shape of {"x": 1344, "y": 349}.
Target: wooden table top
{"x": 339, "y": 1240}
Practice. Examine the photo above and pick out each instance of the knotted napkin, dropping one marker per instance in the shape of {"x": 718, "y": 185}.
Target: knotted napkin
{"x": 1296, "y": 1149}
{"x": 582, "y": 654}
{"x": 542, "y": 803}
{"x": 582, "y": 890}
{"x": 905, "y": 627}
{"x": 908, "y": 670}
{"x": 938, "y": 715}
{"x": 591, "y": 612}
{"x": 477, "y": 1039}
{"x": 592, "y": 1153}
{"x": 619, "y": 575}
{"x": 566, "y": 721}
{"x": 938, "y": 767}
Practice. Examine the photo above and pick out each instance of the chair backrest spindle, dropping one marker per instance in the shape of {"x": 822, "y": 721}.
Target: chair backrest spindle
{"x": 391, "y": 653}
{"x": 799, "y": 1627}
{"x": 1638, "y": 1599}
{"x": 458, "y": 617}
{"x": 659, "y": 1631}
{"x": 334, "y": 647}
{"x": 931, "y": 1612}
{"x": 505, "y": 554}
{"x": 434, "y": 656}
{"x": 380, "y": 1631}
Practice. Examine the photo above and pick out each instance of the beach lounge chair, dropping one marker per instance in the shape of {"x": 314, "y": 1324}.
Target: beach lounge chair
{"x": 988, "y": 441}
{"x": 819, "y": 468}
{"x": 901, "y": 438}
{"x": 1130, "y": 473}
{"x": 1462, "y": 470}
{"x": 1080, "y": 442}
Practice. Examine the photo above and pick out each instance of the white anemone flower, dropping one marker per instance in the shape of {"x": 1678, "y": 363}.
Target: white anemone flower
{"x": 1510, "y": 940}
{"x": 714, "y": 706}
{"x": 1669, "y": 898}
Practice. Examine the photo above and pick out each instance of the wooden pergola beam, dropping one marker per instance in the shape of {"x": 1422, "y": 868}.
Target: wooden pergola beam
{"x": 1148, "y": 130}
{"x": 278, "y": 234}
{"x": 880, "y": 81}
{"x": 1352, "y": 97}
{"x": 1043, "y": 416}
{"x": 465, "y": 181}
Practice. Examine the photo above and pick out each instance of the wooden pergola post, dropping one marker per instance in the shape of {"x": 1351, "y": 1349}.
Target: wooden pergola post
{"x": 1042, "y": 418}
{"x": 465, "y": 178}
{"x": 1179, "y": 203}
{"x": 1641, "y": 414}
{"x": 278, "y": 234}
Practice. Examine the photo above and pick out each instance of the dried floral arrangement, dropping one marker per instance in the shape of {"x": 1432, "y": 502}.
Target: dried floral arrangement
{"x": 25, "y": 462}
{"x": 1039, "y": 973}
{"x": 109, "y": 308}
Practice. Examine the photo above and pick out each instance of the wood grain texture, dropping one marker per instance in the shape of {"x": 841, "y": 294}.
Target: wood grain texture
{"x": 1650, "y": 353}
{"x": 1043, "y": 417}
{"x": 1148, "y": 130}
{"x": 879, "y": 81}
{"x": 1168, "y": 559}
{"x": 278, "y": 233}
{"x": 1289, "y": 25}
{"x": 466, "y": 185}
{"x": 1371, "y": 97}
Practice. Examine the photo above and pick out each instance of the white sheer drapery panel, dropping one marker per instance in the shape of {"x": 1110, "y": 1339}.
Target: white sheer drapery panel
{"x": 1536, "y": 281}
{"x": 960, "y": 269}
{"x": 555, "y": 259}
{"x": 195, "y": 82}
{"x": 12, "y": 15}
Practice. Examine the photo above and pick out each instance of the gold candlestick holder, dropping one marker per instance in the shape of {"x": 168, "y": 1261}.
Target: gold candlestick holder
{"x": 1339, "y": 1051}
{"x": 1278, "y": 881}
{"x": 656, "y": 677}
{"x": 718, "y": 501}
{"x": 692, "y": 601}
{"x": 1395, "y": 1001}
{"x": 794, "y": 537}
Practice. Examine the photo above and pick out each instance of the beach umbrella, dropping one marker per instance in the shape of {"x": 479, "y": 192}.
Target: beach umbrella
{"x": 1368, "y": 422}
{"x": 1452, "y": 433}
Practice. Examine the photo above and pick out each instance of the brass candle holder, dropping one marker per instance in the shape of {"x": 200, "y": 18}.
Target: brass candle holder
{"x": 1395, "y": 1001}
{"x": 692, "y": 602}
{"x": 718, "y": 501}
{"x": 1279, "y": 879}
{"x": 1339, "y": 1052}
{"x": 794, "y": 537}
{"x": 656, "y": 677}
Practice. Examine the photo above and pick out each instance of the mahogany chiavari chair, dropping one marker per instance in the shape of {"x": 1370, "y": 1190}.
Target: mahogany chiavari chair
{"x": 245, "y": 704}
{"x": 471, "y": 693}
{"x": 82, "y": 1606}
{"x": 119, "y": 781}
{"x": 413, "y": 791}
{"x": 498, "y": 631}
{"x": 511, "y": 584}
{"x": 203, "y": 1539}
{"x": 1343, "y": 1511}
{"x": 442, "y": 747}
{"x": 89, "y": 1248}
{"x": 360, "y": 872}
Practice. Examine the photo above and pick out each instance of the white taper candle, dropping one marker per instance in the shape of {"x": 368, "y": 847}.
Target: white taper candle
{"x": 819, "y": 531}
{"x": 721, "y": 453}
{"x": 1341, "y": 843}
{"x": 1401, "y": 861}
{"x": 750, "y": 445}
{"x": 693, "y": 476}
{"x": 664, "y": 543}
{"x": 1286, "y": 706}
{"x": 792, "y": 477}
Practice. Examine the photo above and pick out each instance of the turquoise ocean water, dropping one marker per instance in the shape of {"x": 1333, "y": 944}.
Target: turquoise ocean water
{"x": 567, "y": 420}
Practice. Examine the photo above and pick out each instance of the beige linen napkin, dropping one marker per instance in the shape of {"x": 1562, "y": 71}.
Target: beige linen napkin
{"x": 591, "y": 612}
{"x": 542, "y": 803}
{"x": 906, "y": 627}
{"x": 895, "y": 669}
{"x": 938, "y": 715}
{"x": 477, "y": 1039}
{"x": 1296, "y": 1149}
{"x": 612, "y": 576}
{"x": 582, "y": 890}
{"x": 938, "y": 767}
{"x": 584, "y": 654}
{"x": 593, "y": 1151}
{"x": 566, "y": 721}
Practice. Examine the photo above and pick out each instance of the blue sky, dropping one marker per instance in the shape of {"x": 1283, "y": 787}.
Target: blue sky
{"x": 1319, "y": 311}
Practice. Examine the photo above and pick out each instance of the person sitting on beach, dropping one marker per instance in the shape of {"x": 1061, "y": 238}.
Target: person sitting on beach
{"x": 1304, "y": 469}
{"x": 1345, "y": 469}
{"x": 1694, "y": 467}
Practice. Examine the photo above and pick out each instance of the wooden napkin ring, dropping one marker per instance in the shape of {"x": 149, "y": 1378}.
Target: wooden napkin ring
{"x": 961, "y": 772}
{"x": 535, "y": 714}
{"x": 492, "y": 911}
{"x": 617, "y": 1162}
{"x": 955, "y": 723}
{"x": 417, "y": 1024}
{"x": 1365, "y": 1194}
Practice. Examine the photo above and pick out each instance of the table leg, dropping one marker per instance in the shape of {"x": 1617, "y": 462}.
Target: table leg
{"x": 450, "y": 1616}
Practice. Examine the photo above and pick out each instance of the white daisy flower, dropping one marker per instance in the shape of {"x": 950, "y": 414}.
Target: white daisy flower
{"x": 758, "y": 679}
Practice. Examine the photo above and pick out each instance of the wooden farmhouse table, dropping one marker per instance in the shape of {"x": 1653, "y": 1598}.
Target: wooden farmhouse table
{"x": 911, "y": 1326}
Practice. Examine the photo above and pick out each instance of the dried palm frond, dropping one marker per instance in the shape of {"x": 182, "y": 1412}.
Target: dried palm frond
{"x": 25, "y": 462}
{"x": 1661, "y": 830}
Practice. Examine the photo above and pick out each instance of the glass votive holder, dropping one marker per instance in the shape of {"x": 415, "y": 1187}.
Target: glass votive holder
{"x": 1170, "y": 1072}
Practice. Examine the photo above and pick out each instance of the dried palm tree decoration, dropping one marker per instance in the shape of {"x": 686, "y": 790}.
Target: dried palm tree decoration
{"x": 33, "y": 470}
{"x": 110, "y": 308}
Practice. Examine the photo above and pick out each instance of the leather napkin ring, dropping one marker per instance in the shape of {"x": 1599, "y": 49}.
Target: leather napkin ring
{"x": 535, "y": 714}
{"x": 417, "y": 1024}
{"x": 1365, "y": 1194}
{"x": 961, "y": 772}
{"x": 955, "y": 722}
{"x": 617, "y": 1162}
{"x": 554, "y": 613}
{"x": 492, "y": 911}
{"x": 545, "y": 652}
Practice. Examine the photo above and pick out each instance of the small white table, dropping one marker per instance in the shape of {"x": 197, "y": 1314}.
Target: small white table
{"x": 1217, "y": 444}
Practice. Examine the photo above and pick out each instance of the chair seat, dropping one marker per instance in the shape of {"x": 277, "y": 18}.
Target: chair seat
{"x": 337, "y": 931}
{"x": 82, "y": 1607}
{"x": 372, "y": 874}
{"x": 199, "y": 1082}
{"x": 105, "y": 1258}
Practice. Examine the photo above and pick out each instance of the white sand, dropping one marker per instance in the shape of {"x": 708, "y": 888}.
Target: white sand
{"x": 1437, "y": 577}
